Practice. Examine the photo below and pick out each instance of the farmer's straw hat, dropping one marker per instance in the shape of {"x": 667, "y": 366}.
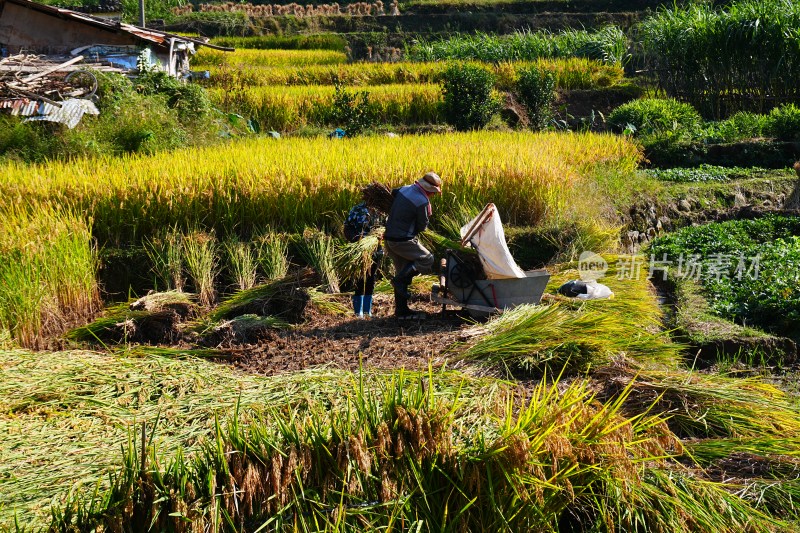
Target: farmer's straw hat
{"x": 431, "y": 183}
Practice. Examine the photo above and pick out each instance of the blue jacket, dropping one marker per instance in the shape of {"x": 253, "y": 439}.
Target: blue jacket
{"x": 409, "y": 214}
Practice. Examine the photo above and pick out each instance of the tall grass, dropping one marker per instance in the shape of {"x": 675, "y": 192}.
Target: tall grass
{"x": 609, "y": 44}
{"x": 47, "y": 274}
{"x": 249, "y": 185}
{"x": 741, "y": 56}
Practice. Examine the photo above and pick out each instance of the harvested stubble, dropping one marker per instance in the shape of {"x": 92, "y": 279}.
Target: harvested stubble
{"x": 249, "y": 185}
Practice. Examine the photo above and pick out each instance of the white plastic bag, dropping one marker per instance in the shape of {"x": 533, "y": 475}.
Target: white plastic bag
{"x": 596, "y": 291}
{"x": 485, "y": 233}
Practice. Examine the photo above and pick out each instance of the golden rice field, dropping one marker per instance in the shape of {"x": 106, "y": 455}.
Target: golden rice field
{"x": 286, "y": 108}
{"x": 207, "y": 57}
{"x": 291, "y": 183}
{"x": 243, "y": 68}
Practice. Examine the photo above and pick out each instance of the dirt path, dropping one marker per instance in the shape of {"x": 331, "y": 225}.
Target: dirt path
{"x": 343, "y": 341}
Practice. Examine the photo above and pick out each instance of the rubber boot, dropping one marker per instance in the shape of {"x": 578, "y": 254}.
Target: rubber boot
{"x": 358, "y": 306}
{"x": 401, "y": 308}
{"x": 367, "y": 307}
{"x": 402, "y": 280}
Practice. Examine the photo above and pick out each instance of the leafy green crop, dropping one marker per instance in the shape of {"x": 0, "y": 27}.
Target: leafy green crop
{"x": 749, "y": 269}
{"x": 704, "y": 173}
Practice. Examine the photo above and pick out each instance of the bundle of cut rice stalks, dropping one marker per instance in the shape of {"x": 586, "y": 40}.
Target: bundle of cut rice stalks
{"x": 354, "y": 260}
{"x": 378, "y": 196}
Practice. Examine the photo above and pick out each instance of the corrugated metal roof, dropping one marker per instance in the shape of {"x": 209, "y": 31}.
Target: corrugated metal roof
{"x": 146, "y": 34}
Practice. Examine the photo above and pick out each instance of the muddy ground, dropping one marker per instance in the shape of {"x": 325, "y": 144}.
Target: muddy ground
{"x": 344, "y": 342}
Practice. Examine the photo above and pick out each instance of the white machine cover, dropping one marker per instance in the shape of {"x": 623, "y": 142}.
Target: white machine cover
{"x": 489, "y": 239}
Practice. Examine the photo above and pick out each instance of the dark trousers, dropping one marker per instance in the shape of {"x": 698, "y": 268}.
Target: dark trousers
{"x": 366, "y": 285}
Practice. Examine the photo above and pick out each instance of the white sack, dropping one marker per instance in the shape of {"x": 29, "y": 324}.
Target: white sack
{"x": 490, "y": 241}
{"x": 596, "y": 291}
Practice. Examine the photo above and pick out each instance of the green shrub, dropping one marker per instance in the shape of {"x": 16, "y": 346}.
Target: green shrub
{"x": 468, "y": 100}
{"x": 742, "y": 125}
{"x": 536, "y": 89}
{"x": 191, "y": 101}
{"x": 654, "y": 115}
{"x": 784, "y": 123}
{"x": 351, "y": 110}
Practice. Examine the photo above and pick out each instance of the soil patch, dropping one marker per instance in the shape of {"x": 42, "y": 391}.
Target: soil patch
{"x": 345, "y": 342}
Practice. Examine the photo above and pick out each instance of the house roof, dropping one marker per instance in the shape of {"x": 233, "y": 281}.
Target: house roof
{"x": 146, "y": 34}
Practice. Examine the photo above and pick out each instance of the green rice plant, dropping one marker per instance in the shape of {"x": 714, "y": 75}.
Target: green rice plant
{"x": 608, "y": 44}
{"x": 166, "y": 255}
{"x": 242, "y": 263}
{"x": 48, "y": 272}
{"x": 723, "y": 58}
{"x": 272, "y": 251}
{"x": 318, "y": 250}
{"x": 200, "y": 254}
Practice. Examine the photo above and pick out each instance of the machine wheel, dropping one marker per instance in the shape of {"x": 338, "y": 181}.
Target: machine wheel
{"x": 461, "y": 276}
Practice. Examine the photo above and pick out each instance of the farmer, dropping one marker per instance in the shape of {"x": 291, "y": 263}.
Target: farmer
{"x": 360, "y": 221}
{"x": 409, "y": 216}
